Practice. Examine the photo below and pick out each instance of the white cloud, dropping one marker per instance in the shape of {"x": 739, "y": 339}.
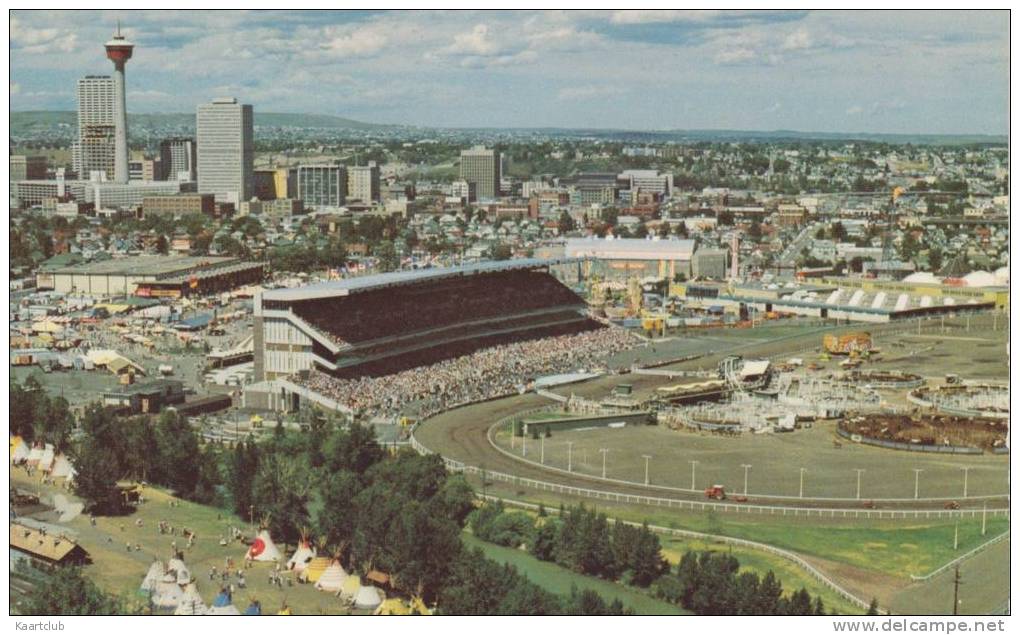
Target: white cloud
{"x": 587, "y": 92}
{"x": 854, "y": 110}
{"x": 34, "y": 40}
{"x": 15, "y": 88}
{"x": 476, "y": 42}
{"x": 798, "y": 40}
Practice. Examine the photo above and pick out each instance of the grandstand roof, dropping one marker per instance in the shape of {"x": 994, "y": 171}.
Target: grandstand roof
{"x": 630, "y": 248}
{"x": 348, "y": 286}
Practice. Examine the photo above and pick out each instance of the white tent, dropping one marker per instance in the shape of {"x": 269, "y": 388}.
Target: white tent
{"x": 191, "y": 602}
{"x": 304, "y": 554}
{"x": 20, "y": 453}
{"x": 180, "y": 571}
{"x": 332, "y": 579}
{"x": 152, "y": 578}
{"x": 167, "y": 594}
{"x": 34, "y": 455}
{"x": 368, "y": 597}
{"x": 263, "y": 549}
{"x": 61, "y": 466}
{"x": 46, "y": 458}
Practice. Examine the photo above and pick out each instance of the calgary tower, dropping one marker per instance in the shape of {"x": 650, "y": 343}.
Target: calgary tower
{"x": 119, "y": 51}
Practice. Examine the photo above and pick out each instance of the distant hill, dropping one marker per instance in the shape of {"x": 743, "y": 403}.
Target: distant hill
{"x": 22, "y": 121}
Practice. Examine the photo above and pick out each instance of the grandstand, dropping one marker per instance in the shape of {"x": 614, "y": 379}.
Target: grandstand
{"x": 382, "y": 324}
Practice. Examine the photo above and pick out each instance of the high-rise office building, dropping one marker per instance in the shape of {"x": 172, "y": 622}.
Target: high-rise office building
{"x": 481, "y": 167}
{"x": 362, "y": 183}
{"x": 94, "y": 150}
{"x": 226, "y": 150}
{"x": 322, "y": 186}
{"x": 27, "y": 168}
{"x": 177, "y": 159}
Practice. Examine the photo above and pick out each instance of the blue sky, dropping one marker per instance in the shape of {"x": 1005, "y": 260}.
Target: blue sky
{"x": 868, "y": 71}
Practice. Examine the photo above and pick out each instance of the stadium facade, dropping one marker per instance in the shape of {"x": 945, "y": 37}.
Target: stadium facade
{"x": 384, "y": 323}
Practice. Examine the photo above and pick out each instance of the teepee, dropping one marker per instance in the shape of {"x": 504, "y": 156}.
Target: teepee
{"x": 62, "y": 467}
{"x": 349, "y": 589}
{"x": 180, "y": 571}
{"x": 152, "y": 578}
{"x": 368, "y": 597}
{"x": 34, "y": 455}
{"x": 333, "y": 578}
{"x": 46, "y": 458}
{"x": 304, "y": 554}
{"x": 167, "y": 594}
{"x": 222, "y": 605}
{"x": 191, "y": 602}
{"x": 253, "y": 609}
{"x": 20, "y": 452}
{"x": 317, "y": 565}
{"x": 263, "y": 549}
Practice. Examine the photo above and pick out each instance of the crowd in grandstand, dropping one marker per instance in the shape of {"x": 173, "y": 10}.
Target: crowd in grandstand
{"x": 398, "y": 311}
{"x": 484, "y": 374}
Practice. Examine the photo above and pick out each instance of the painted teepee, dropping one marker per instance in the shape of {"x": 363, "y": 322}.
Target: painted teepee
{"x": 349, "y": 589}
{"x": 191, "y": 602}
{"x": 180, "y": 571}
{"x": 367, "y": 598}
{"x": 223, "y": 605}
{"x": 62, "y": 467}
{"x": 263, "y": 549}
{"x": 317, "y": 565}
{"x": 304, "y": 554}
{"x": 32, "y": 460}
{"x": 46, "y": 458}
{"x": 333, "y": 578}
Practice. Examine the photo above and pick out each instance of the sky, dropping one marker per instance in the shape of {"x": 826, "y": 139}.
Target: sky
{"x": 936, "y": 72}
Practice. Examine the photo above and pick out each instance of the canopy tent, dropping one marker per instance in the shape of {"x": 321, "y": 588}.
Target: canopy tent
{"x": 304, "y": 554}
{"x": 47, "y": 326}
{"x": 368, "y": 597}
{"x": 349, "y": 589}
{"x": 285, "y": 610}
{"x": 263, "y": 549}
{"x": 316, "y": 567}
{"x": 332, "y": 579}
{"x": 222, "y": 605}
{"x": 167, "y": 594}
{"x": 152, "y": 578}
{"x": 191, "y": 602}
{"x": 253, "y": 609}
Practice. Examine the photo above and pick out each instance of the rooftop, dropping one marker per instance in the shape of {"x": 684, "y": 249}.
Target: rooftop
{"x": 396, "y": 278}
{"x": 630, "y": 248}
{"x": 147, "y": 265}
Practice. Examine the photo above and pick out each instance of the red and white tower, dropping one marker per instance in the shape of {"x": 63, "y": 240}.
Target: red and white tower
{"x": 119, "y": 50}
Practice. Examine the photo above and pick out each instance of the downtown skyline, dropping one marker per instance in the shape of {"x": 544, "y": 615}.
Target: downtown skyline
{"x": 912, "y": 72}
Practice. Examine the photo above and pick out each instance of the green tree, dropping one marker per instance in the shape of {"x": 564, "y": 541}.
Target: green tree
{"x": 68, "y": 592}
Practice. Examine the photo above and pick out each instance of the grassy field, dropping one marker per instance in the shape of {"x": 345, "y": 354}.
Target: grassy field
{"x": 775, "y": 461}
{"x": 559, "y": 580}
{"x": 981, "y": 590}
{"x": 899, "y": 548}
{"x": 120, "y": 571}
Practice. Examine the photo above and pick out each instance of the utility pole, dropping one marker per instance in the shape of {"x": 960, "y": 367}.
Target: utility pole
{"x": 570, "y": 456}
{"x": 984, "y": 518}
{"x": 513, "y": 436}
{"x": 746, "y": 468}
{"x": 694, "y": 465}
{"x": 956, "y": 590}
{"x": 647, "y": 458}
{"x": 524, "y": 441}
{"x": 917, "y": 482}
{"x": 956, "y": 536}
{"x": 859, "y": 471}
{"x": 542, "y": 452}
{"x": 802, "y": 470}
{"x": 604, "y": 452}
{"x": 966, "y": 471}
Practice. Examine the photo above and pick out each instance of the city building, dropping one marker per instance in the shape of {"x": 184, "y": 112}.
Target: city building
{"x": 273, "y": 208}
{"x": 179, "y": 205}
{"x": 152, "y": 276}
{"x": 648, "y": 181}
{"x": 323, "y": 186}
{"x": 621, "y": 258}
{"x": 464, "y": 190}
{"x": 94, "y": 149}
{"x": 276, "y": 183}
{"x": 481, "y": 167}
{"x": 25, "y": 168}
{"x": 362, "y": 183}
{"x": 144, "y": 170}
{"x": 178, "y": 160}
{"x": 709, "y": 263}
{"x": 226, "y": 150}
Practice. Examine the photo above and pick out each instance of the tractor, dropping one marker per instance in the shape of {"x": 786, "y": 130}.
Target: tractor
{"x": 716, "y": 492}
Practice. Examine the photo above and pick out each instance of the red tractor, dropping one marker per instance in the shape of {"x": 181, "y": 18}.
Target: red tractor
{"x": 716, "y": 492}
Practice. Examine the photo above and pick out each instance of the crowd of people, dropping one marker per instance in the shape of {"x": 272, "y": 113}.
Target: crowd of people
{"x": 392, "y": 311}
{"x": 484, "y": 374}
